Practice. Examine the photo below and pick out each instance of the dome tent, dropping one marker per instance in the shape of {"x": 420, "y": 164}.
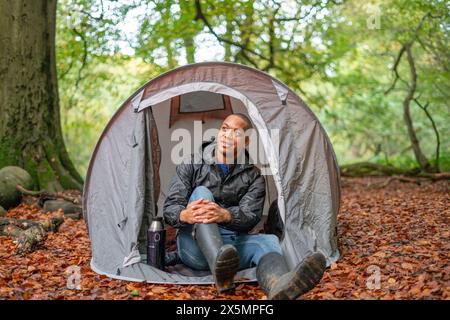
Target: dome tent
{"x": 130, "y": 168}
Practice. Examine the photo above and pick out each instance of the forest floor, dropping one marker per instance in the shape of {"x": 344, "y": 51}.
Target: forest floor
{"x": 394, "y": 243}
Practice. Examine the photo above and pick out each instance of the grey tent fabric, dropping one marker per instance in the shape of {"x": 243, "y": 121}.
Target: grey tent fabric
{"x": 118, "y": 197}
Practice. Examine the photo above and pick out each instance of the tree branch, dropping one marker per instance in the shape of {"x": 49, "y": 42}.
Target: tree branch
{"x": 435, "y": 129}
{"x": 402, "y": 51}
{"x": 200, "y": 16}
{"x": 394, "y": 69}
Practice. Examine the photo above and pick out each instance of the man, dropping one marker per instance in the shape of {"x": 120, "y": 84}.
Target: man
{"x": 215, "y": 200}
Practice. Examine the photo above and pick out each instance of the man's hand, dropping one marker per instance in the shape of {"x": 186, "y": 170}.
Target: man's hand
{"x": 187, "y": 215}
{"x": 204, "y": 211}
{"x": 211, "y": 212}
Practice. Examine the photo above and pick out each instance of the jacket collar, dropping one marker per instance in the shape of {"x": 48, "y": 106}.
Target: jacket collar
{"x": 209, "y": 157}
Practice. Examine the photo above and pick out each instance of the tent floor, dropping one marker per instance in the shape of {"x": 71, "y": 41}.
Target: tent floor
{"x": 184, "y": 270}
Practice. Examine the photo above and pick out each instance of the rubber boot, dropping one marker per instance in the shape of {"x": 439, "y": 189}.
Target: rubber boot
{"x": 172, "y": 258}
{"x": 279, "y": 283}
{"x": 223, "y": 260}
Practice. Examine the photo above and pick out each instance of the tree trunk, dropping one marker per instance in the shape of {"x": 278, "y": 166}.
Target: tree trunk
{"x": 30, "y": 130}
{"x": 246, "y": 32}
{"x": 228, "y": 34}
{"x": 167, "y": 43}
{"x": 188, "y": 34}
{"x": 420, "y": 157}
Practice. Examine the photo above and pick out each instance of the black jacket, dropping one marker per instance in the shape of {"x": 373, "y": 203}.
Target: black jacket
{"x": 241, "y": 191}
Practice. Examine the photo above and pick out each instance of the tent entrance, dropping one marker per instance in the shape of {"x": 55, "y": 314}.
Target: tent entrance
{"x": 182, "y": 123}
{"x": 268, "y": 143}
{"x": 182, "y": 137}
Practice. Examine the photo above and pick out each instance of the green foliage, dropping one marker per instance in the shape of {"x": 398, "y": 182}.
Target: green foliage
{"x": 370, "y": 119}
{"x": 93, "y": 77}
{"x": 100, "y": 94}
{"x": 337, "y": 55}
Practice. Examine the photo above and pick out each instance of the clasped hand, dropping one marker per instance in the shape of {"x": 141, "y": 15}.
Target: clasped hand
{"x": 204, "y": 211}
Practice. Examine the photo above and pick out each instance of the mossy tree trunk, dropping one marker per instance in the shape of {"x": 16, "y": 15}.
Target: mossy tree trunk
{"x": 30, "y": 126}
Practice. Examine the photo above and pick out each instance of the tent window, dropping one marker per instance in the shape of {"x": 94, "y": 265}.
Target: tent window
{"x": 201, "y": 101}
{"x": 199, "y": 105}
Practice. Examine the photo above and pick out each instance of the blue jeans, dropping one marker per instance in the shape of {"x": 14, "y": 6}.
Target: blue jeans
{"x": 250, "y": 247}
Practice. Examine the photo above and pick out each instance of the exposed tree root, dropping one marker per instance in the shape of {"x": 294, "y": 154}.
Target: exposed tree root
{"x": 374, "y": 169}
{"x": 48, "y": 195}
{"x": 398, "y": 178}
{"x": 28, "y": 234}
{"x": 371, "y": 169}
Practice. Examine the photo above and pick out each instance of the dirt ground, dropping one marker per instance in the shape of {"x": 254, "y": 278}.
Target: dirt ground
{"x": 393, "y": 240}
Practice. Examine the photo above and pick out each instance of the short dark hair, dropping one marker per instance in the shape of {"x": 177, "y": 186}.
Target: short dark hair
{"x": 245, "y": 119}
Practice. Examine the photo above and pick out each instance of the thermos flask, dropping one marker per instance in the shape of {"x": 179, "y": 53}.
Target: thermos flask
{"x": 156, "y": 241}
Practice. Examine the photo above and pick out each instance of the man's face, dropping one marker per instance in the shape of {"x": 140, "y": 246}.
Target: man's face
{"x": 231, "y": 138}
